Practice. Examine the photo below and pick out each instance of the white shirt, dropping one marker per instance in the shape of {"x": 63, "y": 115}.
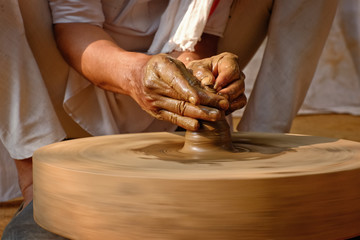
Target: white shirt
{"x": 136, "y": 25}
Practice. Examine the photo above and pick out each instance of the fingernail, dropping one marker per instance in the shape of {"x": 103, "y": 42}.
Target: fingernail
{"x": 217, "y": 87}
{"x": 192, "y": 100}
{"x": 196, "y": 126}
{"x": 192, "y": 126}
{"x": 214, "y": 114}
{"x": 207, "y": 82}
{"x": 224, "y": 104}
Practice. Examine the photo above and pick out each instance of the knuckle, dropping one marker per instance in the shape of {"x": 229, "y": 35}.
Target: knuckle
{"x": 233, "y": 91}
{"x": 158, "y": 62}
{"x": 231, "y": 55}
{"x": 156, "y": 114}
{"x": 239, "y": 103}
{"x": 150, "y": 99}
{"x": 148, "y": 82}
{"x": 194, "y": 64}
{"x": 236, "y": 70}
{"x": 151, "y": 105}
{"x": 159, "y": 115}
{"x": 173, "y": 118}
{"x": 232, "y": 70}
{"x": 159, "y": 57}
{"x": 181, "y": 107}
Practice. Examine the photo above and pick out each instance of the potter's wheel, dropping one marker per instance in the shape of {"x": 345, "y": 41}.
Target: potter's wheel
{"x": 148, "y": 186}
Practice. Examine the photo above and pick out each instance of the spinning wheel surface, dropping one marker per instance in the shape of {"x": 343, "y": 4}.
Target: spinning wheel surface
{"x": 144, "y": 186}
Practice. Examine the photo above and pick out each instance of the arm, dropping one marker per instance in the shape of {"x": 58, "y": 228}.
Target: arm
{"x": 93, "y": 53}
{"x": 161, "y": 85}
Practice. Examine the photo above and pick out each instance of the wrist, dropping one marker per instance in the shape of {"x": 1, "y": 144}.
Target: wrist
{"x": 205, "y": 48}
{"x": 137, "y": 69}
{"x": 185, "y": 57}
{"x": 138, "y": 65}
{"x": 128, "y": 72}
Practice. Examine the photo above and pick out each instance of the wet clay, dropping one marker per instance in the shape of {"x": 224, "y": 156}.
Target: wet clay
{"x": 211, "y": 144}
{"x": 211, "y": 137}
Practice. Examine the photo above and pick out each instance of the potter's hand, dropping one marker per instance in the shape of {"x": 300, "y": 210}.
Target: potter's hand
{"x": 222, "y": 73}
{"x": 170, "y": 92}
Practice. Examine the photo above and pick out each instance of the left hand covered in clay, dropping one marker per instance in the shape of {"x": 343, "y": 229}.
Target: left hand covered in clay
{"x": 168, "y": 91}
{"x": 221, "y": 73}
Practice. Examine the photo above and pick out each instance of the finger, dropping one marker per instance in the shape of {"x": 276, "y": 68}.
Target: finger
{"x": 184, "y": 122}
{"x": 238, "y": 103}
{"x": 234, "y": 90}
{"x": 226, "y": 67}
{"x": 163, "y": 89}
{"x": 175, "y": 74}
{"x": 207, "y": 98}
{"x": 202, "y": 71}
{"x": 228, "y": 74}
{"x": 212, "y": 99}
{"x": 187, "y": 109}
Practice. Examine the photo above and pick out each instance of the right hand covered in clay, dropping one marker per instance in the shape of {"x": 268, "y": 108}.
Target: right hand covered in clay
{"x": 170, "y": 92}
{"x": 222, "y": 74}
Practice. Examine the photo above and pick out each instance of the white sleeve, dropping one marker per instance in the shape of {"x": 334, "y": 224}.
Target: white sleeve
{"x": 217, "y": 21}
{"x": 77, "y": 11}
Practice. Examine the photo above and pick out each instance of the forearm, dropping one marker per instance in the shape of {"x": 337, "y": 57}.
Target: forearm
{"x": 93, "y": 53}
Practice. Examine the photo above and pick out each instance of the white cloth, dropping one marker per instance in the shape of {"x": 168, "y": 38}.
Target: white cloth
{"x": 335, "y": 87}
{"x": 181, "y": 26}
{"x": 9, "y": 187}
{"x": 27, "y": 118}
{"x": 191, "y": 20}
{"x": 25, "y": 104}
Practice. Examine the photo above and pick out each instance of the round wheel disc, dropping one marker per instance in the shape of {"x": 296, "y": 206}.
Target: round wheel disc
{"x": 143, "y": 186}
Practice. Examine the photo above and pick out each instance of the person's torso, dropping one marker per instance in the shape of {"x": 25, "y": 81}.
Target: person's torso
{"x": 133, "y": 23}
